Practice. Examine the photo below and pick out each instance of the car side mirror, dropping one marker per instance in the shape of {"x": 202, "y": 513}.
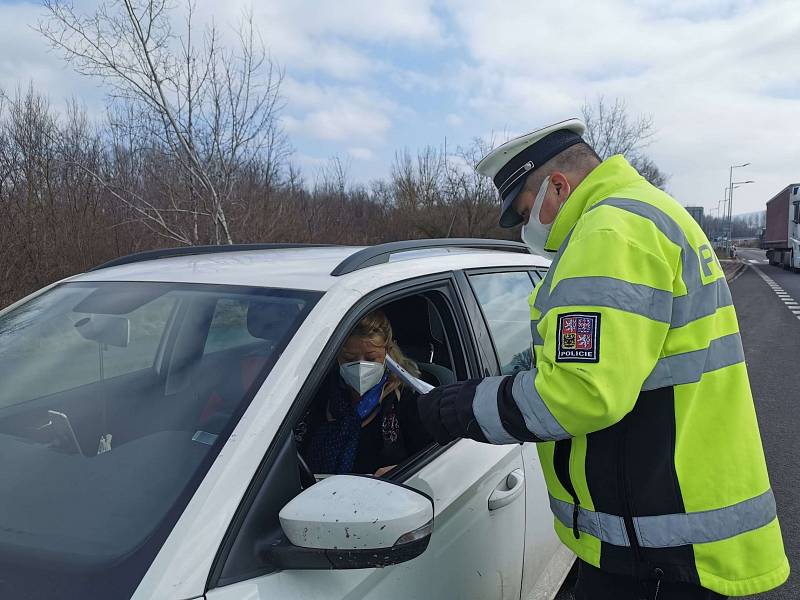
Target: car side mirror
{"x": 353, "y": 522}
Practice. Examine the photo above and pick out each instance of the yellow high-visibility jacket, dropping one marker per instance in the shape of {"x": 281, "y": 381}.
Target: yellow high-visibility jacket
{"x": 640, "y": 397}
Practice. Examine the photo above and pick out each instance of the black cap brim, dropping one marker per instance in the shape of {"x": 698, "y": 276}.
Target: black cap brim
{"x": 508, "y": 216}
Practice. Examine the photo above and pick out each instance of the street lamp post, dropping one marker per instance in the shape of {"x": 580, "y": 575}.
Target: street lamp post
{"x": 730, "y": 203}
{"x": 723, "y": 216}
{"x": 729, "y": 210}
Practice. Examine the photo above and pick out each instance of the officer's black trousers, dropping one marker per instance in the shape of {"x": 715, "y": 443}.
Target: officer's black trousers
{"x": 594, "y": 584}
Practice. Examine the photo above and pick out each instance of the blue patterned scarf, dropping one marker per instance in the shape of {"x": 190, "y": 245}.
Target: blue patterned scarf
{"x": 334, "y": 444}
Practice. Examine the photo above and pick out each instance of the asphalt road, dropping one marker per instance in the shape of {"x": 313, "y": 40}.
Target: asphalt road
{"x": 769, "y": 320}
{"x": 771, "y": 337}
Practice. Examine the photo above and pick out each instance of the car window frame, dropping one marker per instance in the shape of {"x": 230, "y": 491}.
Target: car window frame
{"x": 446, "y": 282}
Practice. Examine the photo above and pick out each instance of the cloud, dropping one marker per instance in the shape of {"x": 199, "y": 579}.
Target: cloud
{"x": 720, "y": 79}
{"x": 360, "y": 153}
{"x": 26, "y": 59}
{"x": 338, "y": 57}
{"x": 335, "y": 38}
{"x": 343, "y": 122}
{"x": 454, "y": 120}
{"x": 336, "y": 112}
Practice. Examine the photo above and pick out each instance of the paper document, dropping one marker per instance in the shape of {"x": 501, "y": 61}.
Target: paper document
{"x": 418, "y": 385}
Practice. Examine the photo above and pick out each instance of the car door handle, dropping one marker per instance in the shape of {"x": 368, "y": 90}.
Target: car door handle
{"x": 507, "y": 490}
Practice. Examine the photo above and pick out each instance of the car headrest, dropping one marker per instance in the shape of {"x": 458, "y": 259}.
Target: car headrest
{"x": 417, "y": 324}
{"x": 269, "y": 319}
{"x": 409, "y": 318}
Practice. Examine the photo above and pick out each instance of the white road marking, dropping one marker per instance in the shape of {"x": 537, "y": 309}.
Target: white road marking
{"x": 785, "y": 297}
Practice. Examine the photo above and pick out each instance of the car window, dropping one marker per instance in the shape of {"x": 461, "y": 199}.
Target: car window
{"x": 229, "y": 326}
{"x": 146, "y": 328}
{"x": 84, "y": 419}
{"x": 426, "y": 329}
{"x": 503, "y": 298}
{"x": 423, "y": 343}
{"x": 45, "y": 336}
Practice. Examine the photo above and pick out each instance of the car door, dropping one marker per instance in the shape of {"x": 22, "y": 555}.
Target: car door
{"x": 503, "y": 299}
{"x": 476, "y": 550}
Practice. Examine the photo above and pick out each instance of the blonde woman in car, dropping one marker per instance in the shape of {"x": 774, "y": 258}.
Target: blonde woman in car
{"x": 363, "y": 419}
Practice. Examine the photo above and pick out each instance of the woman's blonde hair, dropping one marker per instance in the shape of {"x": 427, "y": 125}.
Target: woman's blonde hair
{"x": 377, "y": 328}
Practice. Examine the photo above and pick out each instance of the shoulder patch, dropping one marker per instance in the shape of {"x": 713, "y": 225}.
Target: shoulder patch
{"x": 578, "y": 338}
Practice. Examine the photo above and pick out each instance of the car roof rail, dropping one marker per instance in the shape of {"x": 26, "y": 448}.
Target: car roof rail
{"x": 192, "y": 250}
{"x": 375, "y": 255}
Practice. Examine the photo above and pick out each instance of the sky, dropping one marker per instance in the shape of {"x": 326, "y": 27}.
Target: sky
{"x": 366, "y": 78}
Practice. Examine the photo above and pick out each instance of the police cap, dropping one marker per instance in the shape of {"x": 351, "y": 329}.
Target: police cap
{"x": 509, "y": 164}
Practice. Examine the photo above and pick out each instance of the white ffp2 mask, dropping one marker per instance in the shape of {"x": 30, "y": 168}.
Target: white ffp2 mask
{"x": 362, "y": 375}
{"x": 534, "y": 233}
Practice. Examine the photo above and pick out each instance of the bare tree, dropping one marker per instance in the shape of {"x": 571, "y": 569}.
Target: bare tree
{"x": 60, "y": 175}
{"x": 53, "y": 221}
{"x": 413, "y": 180}
{"x": 650, "y": 171}
{"x": 473, "y": 198}
{"x": 439, "y": 194}
{"x": 210, "y": 111}
{"x": 610, "y": 130}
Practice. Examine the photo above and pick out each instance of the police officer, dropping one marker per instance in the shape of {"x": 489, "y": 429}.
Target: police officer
{"x": 639, "y": 398}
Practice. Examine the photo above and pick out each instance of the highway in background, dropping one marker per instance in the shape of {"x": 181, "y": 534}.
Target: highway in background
{"x": 767, "y": 301}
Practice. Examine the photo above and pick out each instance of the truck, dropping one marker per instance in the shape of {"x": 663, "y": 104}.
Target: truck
{"x": 782, "y": 236}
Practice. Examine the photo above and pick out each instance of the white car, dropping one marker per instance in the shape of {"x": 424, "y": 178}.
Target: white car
{"x": 147, "y": 430}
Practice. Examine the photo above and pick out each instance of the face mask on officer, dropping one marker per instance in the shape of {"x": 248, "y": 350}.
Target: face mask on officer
{"x": 553, "y": 192}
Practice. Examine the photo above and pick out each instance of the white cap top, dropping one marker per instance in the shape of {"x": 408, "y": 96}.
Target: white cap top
{"x": 509, "y": 164}
{"x": 490, "y": 164}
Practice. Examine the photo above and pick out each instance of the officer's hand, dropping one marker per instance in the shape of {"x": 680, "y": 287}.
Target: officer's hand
{"x": 429, "y": 407}
{"x": 446, "y": 412}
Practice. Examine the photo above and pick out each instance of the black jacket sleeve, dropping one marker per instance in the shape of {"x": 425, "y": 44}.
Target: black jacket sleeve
{"x": 446, "y": 412}
{"x": 415, "y": 436}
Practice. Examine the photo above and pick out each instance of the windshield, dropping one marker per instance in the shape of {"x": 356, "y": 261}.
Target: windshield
{"x": 115, "y": 399}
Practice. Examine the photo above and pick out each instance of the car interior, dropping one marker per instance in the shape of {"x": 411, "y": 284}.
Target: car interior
{"x": 161, "y": 422}
{"x": 419, "y": 325}
{"x": 190, "y": 393}
{"x": 420, "y": 331}
{"x": 424, "y": 327}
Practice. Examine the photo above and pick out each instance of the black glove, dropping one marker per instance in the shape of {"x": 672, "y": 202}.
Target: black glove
{"x": 446, "y": 412}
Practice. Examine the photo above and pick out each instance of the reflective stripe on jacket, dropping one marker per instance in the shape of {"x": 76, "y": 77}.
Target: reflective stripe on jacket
{"x": 640, "y": 395}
